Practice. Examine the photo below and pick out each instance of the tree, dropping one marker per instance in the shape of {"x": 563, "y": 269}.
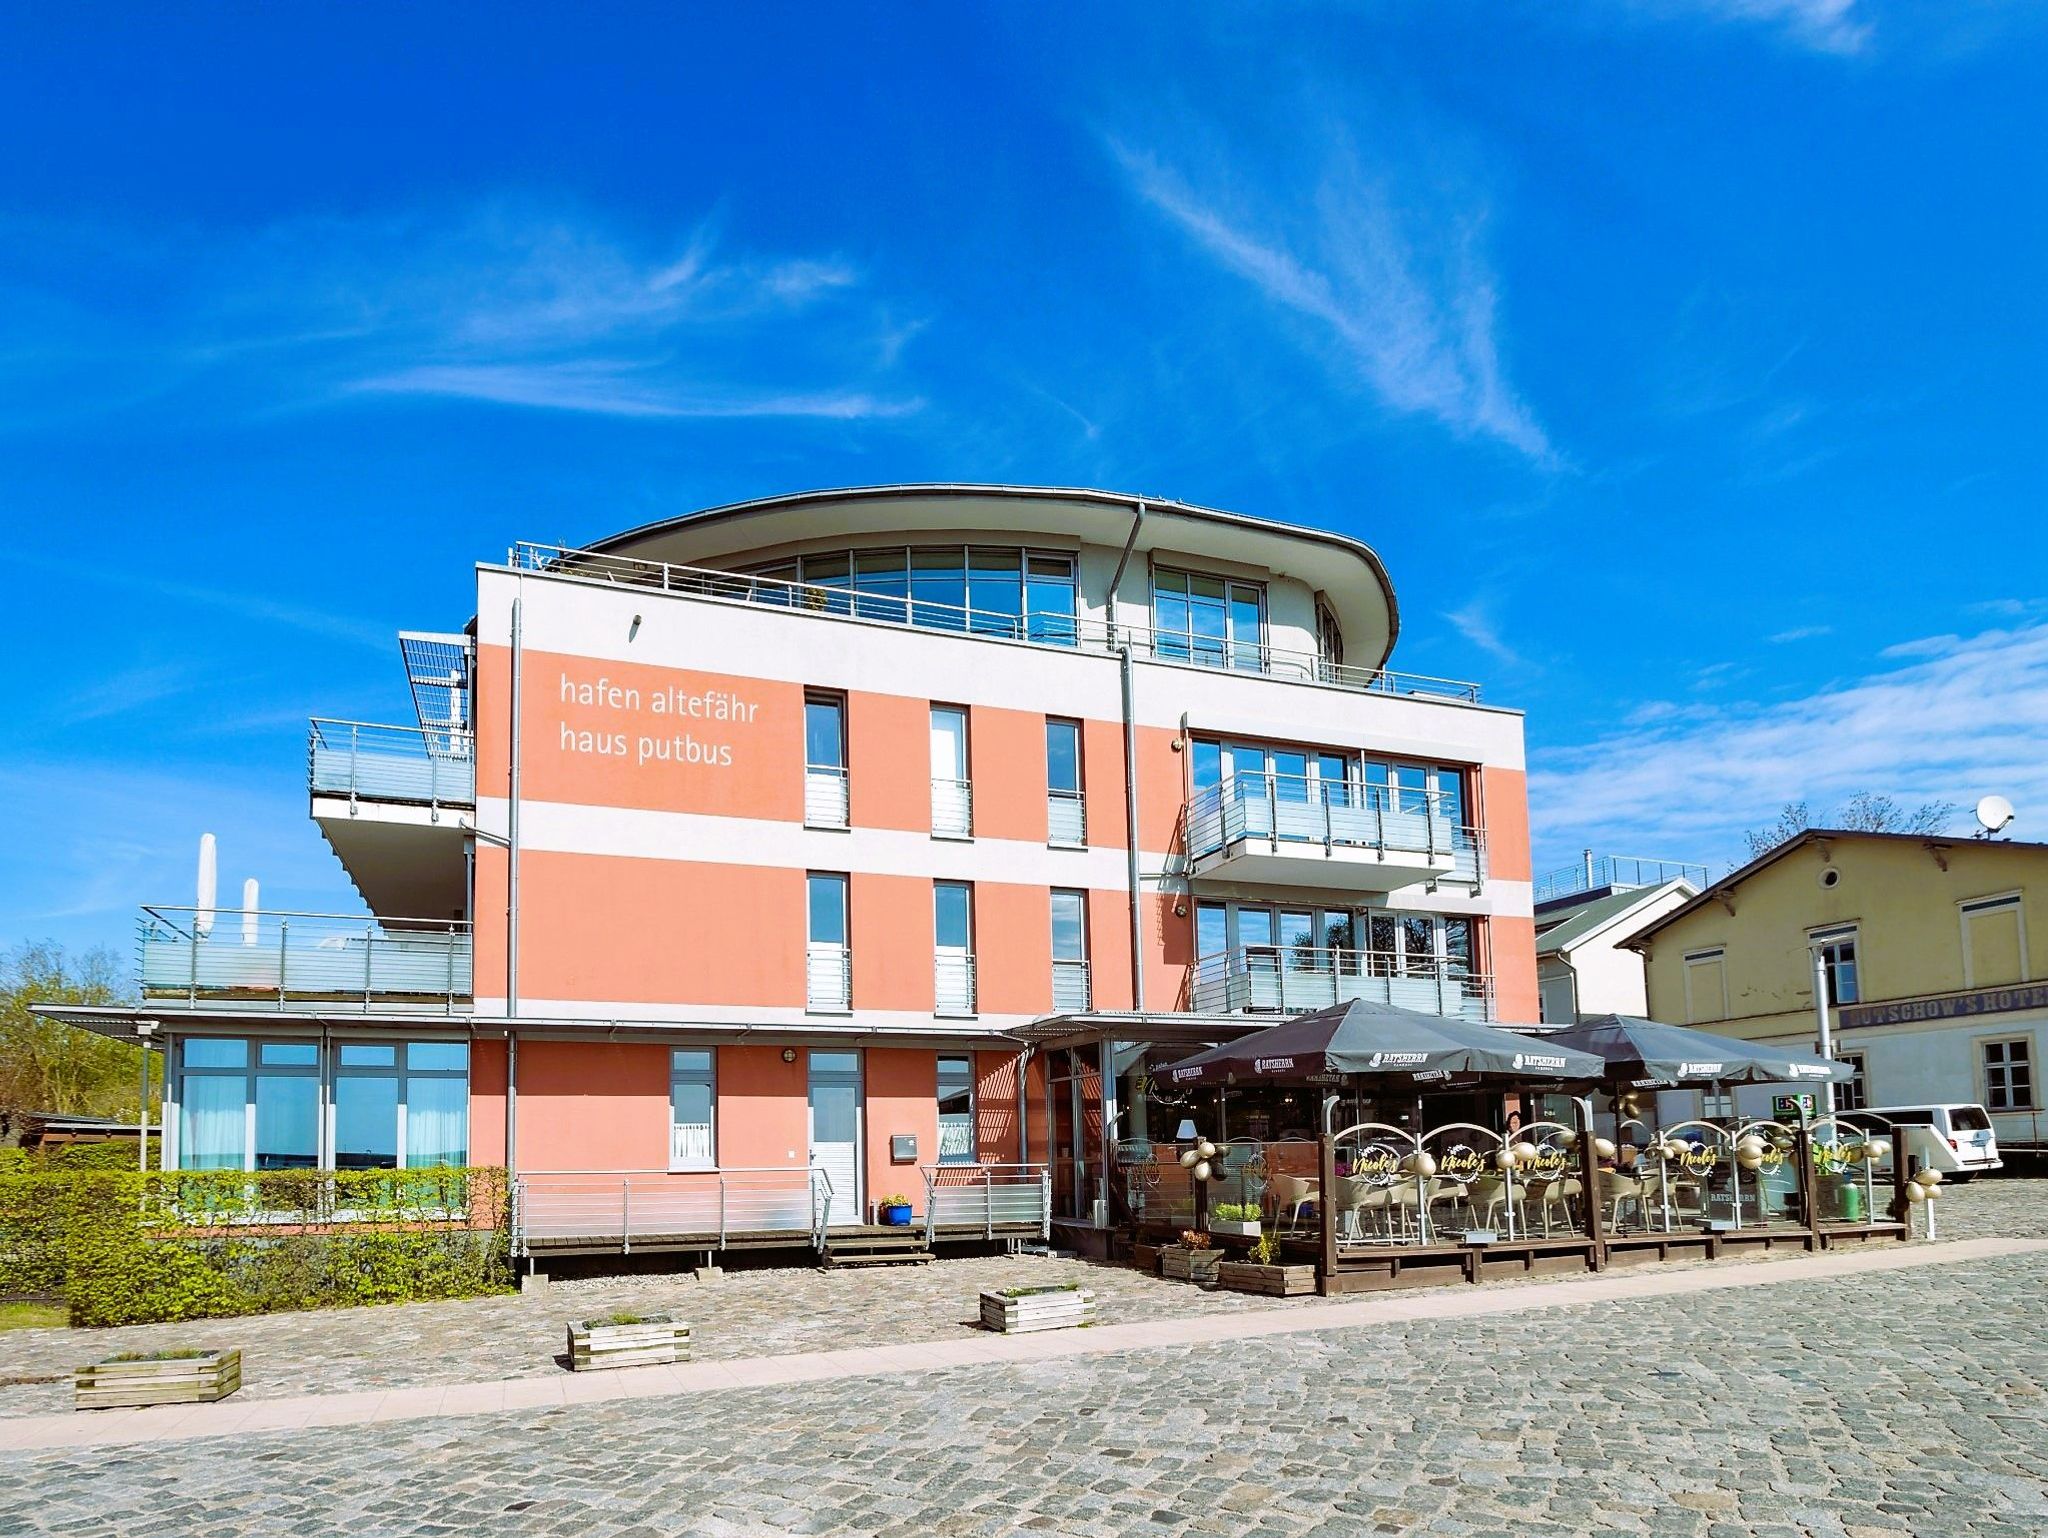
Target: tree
{"x": 1861, "y": 813}
{"x": 48, "y": 1066}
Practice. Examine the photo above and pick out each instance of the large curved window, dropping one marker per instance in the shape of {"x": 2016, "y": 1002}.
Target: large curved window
{"x": 1016, "y": 594}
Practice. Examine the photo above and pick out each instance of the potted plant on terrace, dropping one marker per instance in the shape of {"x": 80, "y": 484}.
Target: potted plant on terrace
{"x": 1194, "y": 1259}
{"x": 1264, "y": 1273}
{"x": 894, "y": 1211}
{"x": 1239, "y": 1220}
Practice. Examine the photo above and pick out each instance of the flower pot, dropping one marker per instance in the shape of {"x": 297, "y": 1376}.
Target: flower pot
{"x": 1236, "y": 1230}
{"x": 1181, "y": 1264}
{"x": 895, "y": 1214}
{"x": 1021, "y": 1310}
{"x": 197, "y": 1379}
{"x": 596, "y": 1344}
{"x": 1289, "y": 1281}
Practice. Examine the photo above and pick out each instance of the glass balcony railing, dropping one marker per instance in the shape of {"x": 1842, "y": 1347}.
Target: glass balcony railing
{"x": 1283, "y": 809}
{"x": 1292, "y": 979}
{"x": 238, "y": 958}
{"x": 406, "y": 764}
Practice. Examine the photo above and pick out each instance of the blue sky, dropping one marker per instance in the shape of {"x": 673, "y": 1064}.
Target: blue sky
{"x": 1682, "y": 357}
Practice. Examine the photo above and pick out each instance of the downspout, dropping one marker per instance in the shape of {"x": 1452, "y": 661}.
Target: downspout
{"x": 1024, "y": 1106}
{"x": 1123, "y": 652}
{"x": 512, "y": 895}
{"x": 1116, "y": 579}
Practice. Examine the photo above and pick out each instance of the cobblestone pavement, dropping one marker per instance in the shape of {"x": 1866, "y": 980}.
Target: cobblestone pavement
{"x": 746, "y": 1313}
{"x": 1891, "y": 1404}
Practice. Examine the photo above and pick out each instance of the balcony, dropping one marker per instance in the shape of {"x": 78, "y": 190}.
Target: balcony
{"x": 1288, "y": 830}
{"x": 1072, "y": 991}
{"x": 953, "y": 983}
{"x": 316, "y": 962}
{"x": 402, "y": 764}
{"x": 1057, "y": 630}
{"x": 1292, "y": 979}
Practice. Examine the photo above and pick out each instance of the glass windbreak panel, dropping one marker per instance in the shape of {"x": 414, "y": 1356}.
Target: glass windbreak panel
{"x": 938, "y": 587}
{"x": 1247, "y": 648}
{"x": 1063, "y": 755}
{"x": 212, "y": 1117}
{"x": 824, "y": 734}
{"x": 949, "y": 743}
{"x": 995, "y": 592}
{"x": 1049, "y": 599}
{"x": 1069, "y": 926}
{"x": 366, "y": 1120}
{"x": 214, "y": 1052}
{"x": 951, "y": 916}
{"x": 956, "y": 1110}
{"x": 827, "y": 910}
{"x": 883, "y": 578}
{"x": 287, "y": 1121}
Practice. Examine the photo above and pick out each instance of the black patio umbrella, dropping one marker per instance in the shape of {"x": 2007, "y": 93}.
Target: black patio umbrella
{"x": 1647, "y": 1054}
{"x": 1367, "y": 1038}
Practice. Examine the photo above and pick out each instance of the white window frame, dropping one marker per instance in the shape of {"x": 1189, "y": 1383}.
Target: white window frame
{"x": 678, "y": 1075}
{"x": 954, "y": 963}
{"x": 1984, "y": 1066}
{"x": 1993, "y": 902}
{"x": 952, "y": 793}
{"x": 1828, "y": 940}
{"x": 973, "y": 1110}
{"x": 1692, "y": 959}
{"x": 1858, "y": 1080}
{"x": 827, "y": 787}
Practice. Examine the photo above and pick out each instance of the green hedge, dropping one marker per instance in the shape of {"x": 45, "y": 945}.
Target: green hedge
{"x": 130, "y": 1248}
{"x": 109, "y": 1155}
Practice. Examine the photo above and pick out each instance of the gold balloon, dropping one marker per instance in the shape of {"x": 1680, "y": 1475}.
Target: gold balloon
{"x": 1504, "y": 1160}
{"x": 1206, "y": 1149}
{"x": 1425, "y": 1164}
{"x": 1525, "y": 1153}
{"x": 1202, "y": 1170}
{"x": 1188, "y": 1159}
{"x": 1928, "y": 1177}
{"x": 1603, "y": 1148}
{"x": 1916, "y": 1193}
{"x": 1568, "y": 1139}
{"x": 1750, "y": 1144}
{"x": 1878, "y": 1150}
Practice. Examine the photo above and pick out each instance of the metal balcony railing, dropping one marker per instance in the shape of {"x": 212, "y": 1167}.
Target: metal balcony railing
{"x": 1614, "y": 870}
{"x": 232, "y": 957}
{"x": 1072, "y": 990}
{"x": 1066, "y": 818}
{"x": 586, "y": 1209}
{"x": 991, "y": 1197}
{"x": 1280, "y": 809}
{"x": 952, "y": 808}
{"x": 828, "y": 978}
{"x": 408, "y": 764}
{"x": 953, "y": 983}
{"x": 1059, "y": 630}
{"x": 1291, "y": 979}
{"x": 824, "y": 796}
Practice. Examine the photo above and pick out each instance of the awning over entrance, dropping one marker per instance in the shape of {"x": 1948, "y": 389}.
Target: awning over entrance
{"x": 1648, "y": 1054}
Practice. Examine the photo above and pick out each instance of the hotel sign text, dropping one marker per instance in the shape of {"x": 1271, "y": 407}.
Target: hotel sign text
{"x": 1952, "y": 1006}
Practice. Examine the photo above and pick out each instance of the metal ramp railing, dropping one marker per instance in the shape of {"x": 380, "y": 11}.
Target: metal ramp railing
{"x": 987, "y": 1196}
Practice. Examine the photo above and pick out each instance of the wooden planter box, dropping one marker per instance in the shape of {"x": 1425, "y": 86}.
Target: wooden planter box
{"x": 595, "y": 1345}
{"x": 1274, "y": 1281}
{"x": 1179, "y": 1263}
{"x": 1037, "y": 1308}
{"x": 1247, "y": 1229}
{"x": 158, "y": 1380}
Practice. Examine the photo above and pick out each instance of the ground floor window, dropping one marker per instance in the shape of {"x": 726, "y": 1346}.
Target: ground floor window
{"x": 2008, "y": 1075}
{"x": 1854, "y": 1094}
{"x": 244, "y": 1104}
{"x": 693, "y": 1098}
{"x": 956, "y": 1110}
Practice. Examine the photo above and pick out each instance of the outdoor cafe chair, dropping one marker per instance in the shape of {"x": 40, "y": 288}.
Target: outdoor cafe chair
{"x": 1289, "y": 1194}
{"x": 1618, "y": 1189}
{"x": 1553, "y": 1199}
{"x": 1488, "y": 1198}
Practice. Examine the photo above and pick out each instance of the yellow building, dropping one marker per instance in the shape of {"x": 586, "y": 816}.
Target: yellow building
{"x": 1934, "y": 947}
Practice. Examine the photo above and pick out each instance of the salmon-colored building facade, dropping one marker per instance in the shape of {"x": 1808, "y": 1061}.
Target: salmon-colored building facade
{"x": 740, "y": 867}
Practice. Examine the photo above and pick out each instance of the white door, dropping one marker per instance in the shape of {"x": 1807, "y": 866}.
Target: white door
{"x": 835, "y": 1131}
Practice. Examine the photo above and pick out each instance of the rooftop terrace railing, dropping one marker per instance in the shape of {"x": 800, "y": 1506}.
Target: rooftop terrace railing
{"x": 365, "y": 761}
{"x": 1593, "y": 874}
{"x": 1042, "y": 629}
{"x": 1281, "y": 809}
{"x": 1290, "y": 979}
{"x": 233, "y": 958}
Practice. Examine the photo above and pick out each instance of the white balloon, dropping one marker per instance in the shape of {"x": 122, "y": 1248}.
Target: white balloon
{"x": 1206, "y": 1149}
{"x": 1425, "y": 1164}
{"x": 1929, "y": 1177}
{"x": 1916, "y": 1193}
{"x": 1202, "y": 1170}
{"x": 1933, "y": 1192}
{"x": 1525, "y": 1153}
{"x": 1187, "y": 1160}
{"x": 1504, "y": 1160}
{"x": 1603, "y": 1148}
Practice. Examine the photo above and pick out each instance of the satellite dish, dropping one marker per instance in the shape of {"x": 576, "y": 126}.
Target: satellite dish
{"x": 1993, "y": 813}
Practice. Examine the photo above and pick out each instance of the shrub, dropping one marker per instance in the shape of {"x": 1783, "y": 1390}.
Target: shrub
{"x": 1236, "y": 1212}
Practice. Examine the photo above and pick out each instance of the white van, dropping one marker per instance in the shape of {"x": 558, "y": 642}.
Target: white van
{"x": 1955, "y": 1139}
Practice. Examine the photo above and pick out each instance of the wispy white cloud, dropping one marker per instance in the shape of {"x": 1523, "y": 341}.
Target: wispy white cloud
{"x": 1474, "y": 621}
{"x": 1402, "y": 295}
{"x": 1827, "y": 26}
{"x": 1800, "y": 633}
{"x": 1957, "y": 718}
{"x": 623, "y": 389}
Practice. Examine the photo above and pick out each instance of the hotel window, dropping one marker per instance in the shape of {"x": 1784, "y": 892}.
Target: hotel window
{"x": 1066, "y": 812}
{"x": 401, "y": 1105}
{"x": 2008, "y": 1075}
{"x": 1329, "y": 641}
{"x": 1994, "y": 941}
{"x": 986, "y": 590}
{"x": 953, "y": 937}
{"x": 1853, "y": 1093}
{"x": 1210, "y": 620}
{"x": 1706, "y": 986}
{"x": 1049, "y": 599}
{"x": 692, "y": 1114}
{"x": 828, "y": 974}
{"x": 956, "y": 1109}
{"x": 952, "y": 794}
{"x": 1837, "y": 948}
{"x": 248, "y": 1105}
{"x": 1071, "y": 993}
{"x": 824, "y": 760}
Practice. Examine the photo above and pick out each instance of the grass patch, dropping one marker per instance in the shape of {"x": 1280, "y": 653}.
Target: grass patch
{"x": 33, "y": 1316}
{"x": 626, "y": 1316}
{"x": 186, "y": 1354}
{"x": 1033, "y": 1292}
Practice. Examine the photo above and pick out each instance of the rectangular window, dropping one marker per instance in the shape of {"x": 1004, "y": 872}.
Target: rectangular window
{"x": 1706, "y": 986}
{"x": 1066, "y": 813}
{"x": 401, "y": 1105}
{"x": 693, "y": 1102}
{"x": 2008, "y": 1075}
{"x": 995, "y": 593}
{"x": 1994, "y": 941}
{"x": 1071, "y": 992}
{"x": 1049, "y": 599}
{"x": 952, "y": 796}
{"x": 1210, "y": 620}
{"x": 956, "y": 1109}
{"x": 1838, "y": 953}
{"x": 824, "y": 760}
{"x": 953, "y": 944}
{"x": 828, "y": 973}
{"x": 1854, "y": 1093}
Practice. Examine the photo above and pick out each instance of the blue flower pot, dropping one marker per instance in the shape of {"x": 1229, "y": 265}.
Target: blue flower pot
{"x": 897, "y": 1215}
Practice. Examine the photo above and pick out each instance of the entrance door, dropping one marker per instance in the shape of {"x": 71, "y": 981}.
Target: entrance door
{"x": 835, "y": 1131}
